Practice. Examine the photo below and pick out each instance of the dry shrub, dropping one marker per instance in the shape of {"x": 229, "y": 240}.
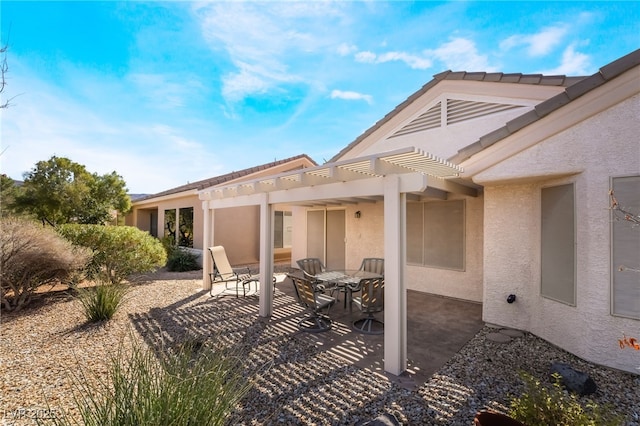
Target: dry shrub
{"x": 32, "y": 256}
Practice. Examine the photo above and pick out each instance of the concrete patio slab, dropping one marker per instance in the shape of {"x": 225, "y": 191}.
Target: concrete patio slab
{"x": 437, "y": 328}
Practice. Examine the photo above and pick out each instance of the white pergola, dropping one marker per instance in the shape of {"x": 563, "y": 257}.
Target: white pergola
{"x": 389, "y": 176}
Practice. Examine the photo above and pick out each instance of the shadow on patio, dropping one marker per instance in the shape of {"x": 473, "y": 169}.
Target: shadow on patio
{"x": 334, "y": 375}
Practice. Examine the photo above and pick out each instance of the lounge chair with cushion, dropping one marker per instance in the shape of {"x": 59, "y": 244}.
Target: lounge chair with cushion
{"x": 236, "y": 281}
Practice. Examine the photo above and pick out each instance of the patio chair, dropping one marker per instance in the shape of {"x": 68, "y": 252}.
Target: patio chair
{"x": 370, "y": 302}
{"x": 373, "y": 264}
{"x": 314, "y": 300}
{"x": 369, "y": 264}
{"x": 311, "y": 266}
{"x": 235, "y": 280}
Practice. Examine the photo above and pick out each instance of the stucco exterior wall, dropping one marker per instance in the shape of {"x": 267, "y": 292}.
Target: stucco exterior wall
{"x": 238, "y": 230}
{"x": 365, "y": 235}
{"x": 365, "y": 238}
{"x": 587, "y": 154}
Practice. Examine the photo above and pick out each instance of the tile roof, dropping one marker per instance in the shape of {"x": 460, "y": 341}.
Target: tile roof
{"x": 206, "y": 183}
{"x": 572, "y": 92}
{"x": 539, "y": 79}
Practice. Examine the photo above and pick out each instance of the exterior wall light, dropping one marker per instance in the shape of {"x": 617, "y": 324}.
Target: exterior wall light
{"x": 357, "y": 214}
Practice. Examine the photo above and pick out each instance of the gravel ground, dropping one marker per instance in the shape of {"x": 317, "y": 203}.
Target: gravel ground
{"x": 296, "y": 382}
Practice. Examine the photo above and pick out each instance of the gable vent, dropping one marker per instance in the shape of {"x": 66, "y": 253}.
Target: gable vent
{"x": 458, "y": 110}
{"x": 425, "y": 121}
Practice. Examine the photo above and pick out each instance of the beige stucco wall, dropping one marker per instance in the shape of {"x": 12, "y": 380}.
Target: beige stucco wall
{"x": 595, "y": 149}
{"x": 238, "y": 230}
{"x": 365, "y": 238}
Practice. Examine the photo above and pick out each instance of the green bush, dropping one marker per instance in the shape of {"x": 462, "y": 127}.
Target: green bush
{"x": 32, "y": 256}
{"x": 118, "y": 251}
{"x": 180, "y": 260}
{"x": 193, "y": 385}
{"x": 101, "y": 302}
{"x": 552, "y": 405}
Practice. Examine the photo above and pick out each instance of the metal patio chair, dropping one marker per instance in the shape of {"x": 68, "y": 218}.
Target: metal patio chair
{"x": 373, "y": 264}
{"x": 311, "y": 266}
{"x": 370, "y": 302}
{"x": 312, "y": 298}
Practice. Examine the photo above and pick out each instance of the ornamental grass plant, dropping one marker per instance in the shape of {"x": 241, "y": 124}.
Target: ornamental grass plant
{"x": 101, "y": 302}
{"x": 191, "y": 385}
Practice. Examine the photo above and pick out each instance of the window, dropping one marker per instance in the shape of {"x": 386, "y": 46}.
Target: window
{"x": 625, "y": 247}
{"x": 184, "y": 228}
{"x": 435, "y": 234}
{"x": 558, "y": 244}
{"x": 170, "y": 225}
{"x": 283, "y": 229}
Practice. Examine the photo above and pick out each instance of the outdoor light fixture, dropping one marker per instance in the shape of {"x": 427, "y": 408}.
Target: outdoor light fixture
{"x": 358, "y": 214}
{"x": 511, "y": 298}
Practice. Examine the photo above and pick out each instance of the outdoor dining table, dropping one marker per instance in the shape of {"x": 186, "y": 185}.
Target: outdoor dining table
{"x": 345, "y": 280}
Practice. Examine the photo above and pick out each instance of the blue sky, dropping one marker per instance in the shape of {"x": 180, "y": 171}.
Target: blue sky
{"x": 166, "y": 93}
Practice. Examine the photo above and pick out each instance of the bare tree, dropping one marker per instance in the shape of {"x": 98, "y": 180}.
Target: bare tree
{"x": 4, "y": 68}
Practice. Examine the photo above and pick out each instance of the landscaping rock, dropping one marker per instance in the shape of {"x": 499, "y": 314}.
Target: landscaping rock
{"x": 574, "y": 380}
{"x": 385, "y": 419}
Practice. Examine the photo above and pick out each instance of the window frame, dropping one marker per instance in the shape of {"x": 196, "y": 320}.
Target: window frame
{"x": 463, "y": 245}
{"x": 612, "y": 264}
{"x": 575, "y": 246}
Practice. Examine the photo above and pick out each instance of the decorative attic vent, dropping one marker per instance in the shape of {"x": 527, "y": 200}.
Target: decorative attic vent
{"x": 458, "y": 110}
{"x": 425, "y": 121}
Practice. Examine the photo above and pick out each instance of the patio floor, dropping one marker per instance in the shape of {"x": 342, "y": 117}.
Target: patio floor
{"x": 437, "y": 327}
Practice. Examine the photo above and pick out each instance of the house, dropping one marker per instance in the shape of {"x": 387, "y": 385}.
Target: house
{"x": 481, "y": 186}
{"x": 159, "y": 214}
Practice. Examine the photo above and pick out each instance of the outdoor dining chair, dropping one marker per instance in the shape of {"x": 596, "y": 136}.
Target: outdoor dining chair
{"x": 373, "y": 264}
{"x": 311, "y": 266}
{"x": 369, "y": 264}
{"x": 312, "y": 298}
{"x": 370, "y": 302}
{"x": 235, "y": 281}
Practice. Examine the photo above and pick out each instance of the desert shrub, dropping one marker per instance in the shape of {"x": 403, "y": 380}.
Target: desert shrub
{"x": 192, "y": 385}
{"x": 180, "y": 260}
{"x": 101, "y": 302}
{"x": 32, "y": 256}
{"x": 552, "y": 405}
{"x": 118, "y": 251}
{"x": 169, "y": 244}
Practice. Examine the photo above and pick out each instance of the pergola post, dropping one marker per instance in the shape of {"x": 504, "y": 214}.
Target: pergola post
{"x": 207, "y": 241}
{"x": 395, "y": 295}
{"x": 266, "y": 256}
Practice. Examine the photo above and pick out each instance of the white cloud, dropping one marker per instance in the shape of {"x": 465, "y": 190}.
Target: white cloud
{"x": 165, "y": 91}
{"x": 461, "y": 54}
{"x": 413, "y": 61}
{"x": 538, "y": 44}
{"x": 573, "y": 63}
{"x": 351, "y": 96}
{"x": 366, "y": 57}
{"x": 262, "y": 40}
{"x": 345, "y": 49}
